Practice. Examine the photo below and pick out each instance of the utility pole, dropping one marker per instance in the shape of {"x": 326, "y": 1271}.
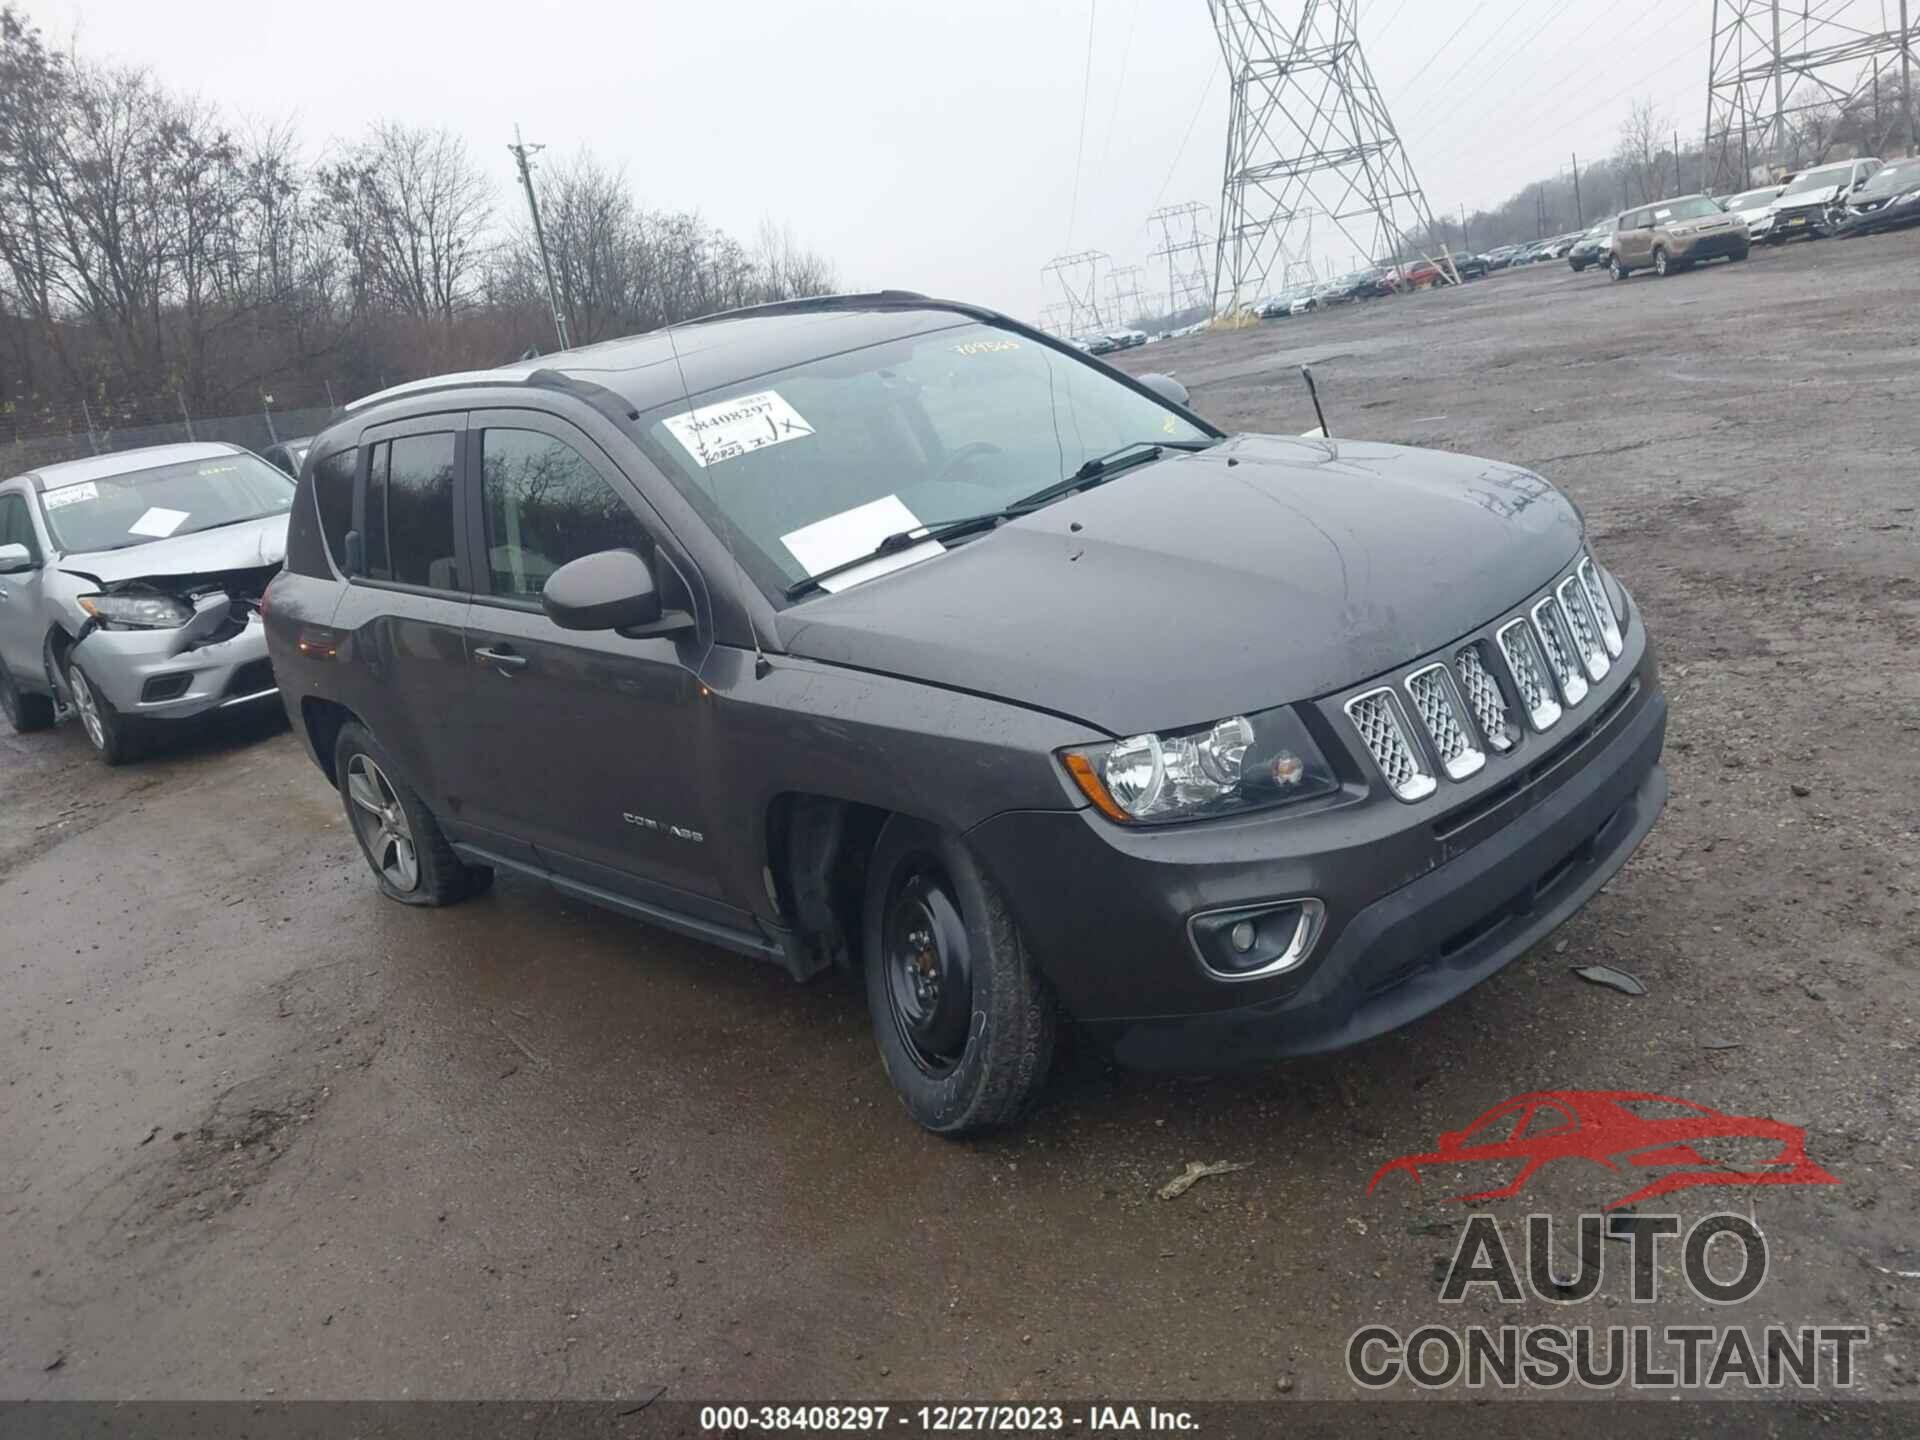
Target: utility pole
{"x": 521, "y": 151}
{"x": 1677, "y": 184}
{"x": 1580, "y": 210}
{"x": 1465, "y": 244}
{"x": 1906, "y": 80}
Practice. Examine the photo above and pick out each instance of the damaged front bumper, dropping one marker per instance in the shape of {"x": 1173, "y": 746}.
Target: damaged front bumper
{"x": 217, "y": 659}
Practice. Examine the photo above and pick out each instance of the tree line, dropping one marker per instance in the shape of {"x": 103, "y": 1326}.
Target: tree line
{"x": 159, "y": 258}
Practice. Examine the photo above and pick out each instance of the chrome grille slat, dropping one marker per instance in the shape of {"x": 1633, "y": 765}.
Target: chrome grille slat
{"x": 1602, "y": 607}
{"x": 1376, "y": 715}
{"x": 1529, "y": 671}
{"x": 1489, "y": 706}
{"x": 1552, "y": 633}
{"x": 1584, "y": 629}
{"x": 1442, "y": 712}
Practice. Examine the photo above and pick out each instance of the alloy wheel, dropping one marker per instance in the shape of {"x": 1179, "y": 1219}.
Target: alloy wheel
{"x": 88, "y": 706}
{"x": 381, "y": 820}
{"x": 929, "y": 971}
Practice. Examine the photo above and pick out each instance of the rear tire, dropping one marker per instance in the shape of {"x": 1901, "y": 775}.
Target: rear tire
{"x": 24, "y": 712}
{"x": 965, "y": 1027}
{"x": 402, "y": 842}
{"x": 115, "y": 738}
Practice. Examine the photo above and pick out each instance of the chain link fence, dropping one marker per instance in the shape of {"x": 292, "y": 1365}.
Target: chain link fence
{"x": 48, "y": 438}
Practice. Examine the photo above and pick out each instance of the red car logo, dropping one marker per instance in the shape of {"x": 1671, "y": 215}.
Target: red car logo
{"x": 1620, "y": 1129}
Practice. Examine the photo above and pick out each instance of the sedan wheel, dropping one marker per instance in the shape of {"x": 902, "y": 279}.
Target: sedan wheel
{"x": 111, "y": 734}
{"x": 382, "y": 822}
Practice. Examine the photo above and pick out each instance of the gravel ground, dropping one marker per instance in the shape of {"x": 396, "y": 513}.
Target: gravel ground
{"x": 262, "y": 1134}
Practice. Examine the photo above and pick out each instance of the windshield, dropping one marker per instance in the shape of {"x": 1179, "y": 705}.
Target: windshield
{"x": 1894, "y": 179}
{"x": 137, "y": 507}
{"x": 1751, "y": 200}
{"x": 1694, "y": 207}
{"x": 1822, "y": 179}
{"x": 813, "y": 465}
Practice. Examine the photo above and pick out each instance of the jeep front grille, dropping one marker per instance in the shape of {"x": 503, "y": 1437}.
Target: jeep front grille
{"x": 1376, "y": 715}
{"x": 1584, "y": 629}
{"x": 1602, "y": 606}
{"x": 1529, "y": 673}
{"x": 1483, "y": 696}
{"x": 1442, "y": 712}
{"x": 1552, "y": 630}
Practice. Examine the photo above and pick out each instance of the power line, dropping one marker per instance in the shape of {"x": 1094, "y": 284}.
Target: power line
{"x": 1120, "y": 86}
{"x": 1080, "y": 146}
{"x": 1206, "y": 90}
{"x": 1506, "y": 56}
{"x": 1441, "y": 48}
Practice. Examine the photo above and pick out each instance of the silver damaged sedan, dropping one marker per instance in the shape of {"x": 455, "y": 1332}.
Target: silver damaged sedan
{"x": 130, "y": 588}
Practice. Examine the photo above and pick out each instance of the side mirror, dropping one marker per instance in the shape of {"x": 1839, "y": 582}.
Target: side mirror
{"x": 14, "y": 559}
{"x": 610, "y": 590}
{"x": 1166, "y": 387}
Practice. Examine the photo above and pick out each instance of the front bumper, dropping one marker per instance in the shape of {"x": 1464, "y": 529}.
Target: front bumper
{"x": 1802, "y": 222}
{"x": 1716, "y": 246}
{"x": 134, "y": 669}
{"x": 1422, "y": 901}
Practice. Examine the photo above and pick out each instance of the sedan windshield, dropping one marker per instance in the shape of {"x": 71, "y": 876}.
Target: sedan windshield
{"x": 137, "y": 507}
{"x": 1694, "y": 207}
{"x": 1824, "y": 178}
{"x": 806, "y": 468}
{"x": 1894, "y": 179}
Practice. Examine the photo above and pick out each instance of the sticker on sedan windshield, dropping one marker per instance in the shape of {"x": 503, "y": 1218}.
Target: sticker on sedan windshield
{"x": 159, "y": 522}
{"x": 986, "y": 347}
{"x": 736, "y": 427}
{"x": 70, "y": 495}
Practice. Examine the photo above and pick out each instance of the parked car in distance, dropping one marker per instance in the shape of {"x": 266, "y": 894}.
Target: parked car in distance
{"x": 686, "y": 644}
{"x": 1890, "y": 200}
{"x": 1675, "y": 234}
{"x": 1374, "y": 283}
{"x": 1501, "y": 256}
{"x": 1101, "y": 344}
{"x": 1755, "y": 207}
{"x": 1469, "y": 267}
{"x": 1422, "y": 274}
{"x": 1814, "y": 202}
{"x": 1594, "y": 246}
{"x": 286, "y": 455}
{"x": 130, "y": 589}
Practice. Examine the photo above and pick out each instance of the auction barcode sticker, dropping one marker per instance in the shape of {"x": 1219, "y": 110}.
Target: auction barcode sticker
{"x": 736, "y": 427}
{"x": 70, "y": 495}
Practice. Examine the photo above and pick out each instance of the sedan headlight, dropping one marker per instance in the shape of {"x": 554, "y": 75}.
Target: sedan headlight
{"x": 1240, "y": 763}
{"x": 138, "y": 612}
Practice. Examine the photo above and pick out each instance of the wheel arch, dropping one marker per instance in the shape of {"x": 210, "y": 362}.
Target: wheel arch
{"x": 322, "y": 720}
{"x": 816, "y": 849}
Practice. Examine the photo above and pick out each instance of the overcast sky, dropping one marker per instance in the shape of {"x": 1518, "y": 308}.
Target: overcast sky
{"x": 920, "y": 145}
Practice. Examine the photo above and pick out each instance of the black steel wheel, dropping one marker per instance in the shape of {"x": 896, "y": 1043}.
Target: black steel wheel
{"x": 964, "y": 1024}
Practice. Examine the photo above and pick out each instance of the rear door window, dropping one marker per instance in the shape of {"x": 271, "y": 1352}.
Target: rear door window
{"x": 409, "y": 511}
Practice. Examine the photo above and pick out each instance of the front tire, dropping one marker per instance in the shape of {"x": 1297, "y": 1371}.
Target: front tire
{"x": 402, "y": 842}
{"x": 964, "y": 1025}
{"x": 1616, "y": 269}
{"x": 115, "y": 738}
{"x": 24, "y": 712}
{"x": 1662, "y": 267}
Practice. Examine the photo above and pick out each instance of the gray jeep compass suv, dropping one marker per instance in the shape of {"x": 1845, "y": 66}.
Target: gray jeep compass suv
{"x": 888, "y": 633}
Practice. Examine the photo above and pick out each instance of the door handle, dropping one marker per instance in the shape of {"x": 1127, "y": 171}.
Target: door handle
{"x": 499, "y": 659}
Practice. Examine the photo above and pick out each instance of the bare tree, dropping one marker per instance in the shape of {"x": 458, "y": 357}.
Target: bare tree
{"x": 1637, "y": 157}
{"x": 415, "y": 210}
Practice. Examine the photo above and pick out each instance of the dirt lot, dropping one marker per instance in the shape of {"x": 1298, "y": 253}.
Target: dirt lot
{"x": 262, "y": 1133}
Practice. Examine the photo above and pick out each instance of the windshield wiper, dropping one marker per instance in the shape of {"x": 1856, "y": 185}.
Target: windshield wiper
{"x": 1100, "y": 467}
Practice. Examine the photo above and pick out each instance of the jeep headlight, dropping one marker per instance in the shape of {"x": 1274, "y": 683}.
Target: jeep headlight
{"x": 1239, "y": 763}
{"x": 138, "y": 612}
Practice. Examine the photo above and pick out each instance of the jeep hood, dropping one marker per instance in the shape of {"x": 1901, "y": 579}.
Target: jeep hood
{"x": 1261, "y": 571}
{"x": 244, "y": 546}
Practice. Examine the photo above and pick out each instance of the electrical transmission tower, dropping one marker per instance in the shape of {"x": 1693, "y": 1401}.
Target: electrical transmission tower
{"x": 1078, "y": 276}
{"x": 1307, "y": 129}
{"x": 1123, "y": 285}
{"x": 1057, "y": 319}
{"x": 1779, "y": 82}
{"x": 1184, "y": 245}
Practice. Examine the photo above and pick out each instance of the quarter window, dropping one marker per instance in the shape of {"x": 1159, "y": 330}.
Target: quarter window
{"x": 333, "y": 494}
{"x": 545, "y": 504}
{"x": 409, "y": 512}
{"x": 16, "y": 525}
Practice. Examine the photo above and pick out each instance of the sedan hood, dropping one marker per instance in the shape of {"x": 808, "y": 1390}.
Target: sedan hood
{"x": 1261, "y": 571}
{"x": 230, "y": 547}
{"x": 1806, "y": 199}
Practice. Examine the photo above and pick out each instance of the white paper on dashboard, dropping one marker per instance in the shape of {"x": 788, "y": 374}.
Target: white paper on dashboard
{"x": 852, "y": 533}
{"x": 158, "y": 522}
